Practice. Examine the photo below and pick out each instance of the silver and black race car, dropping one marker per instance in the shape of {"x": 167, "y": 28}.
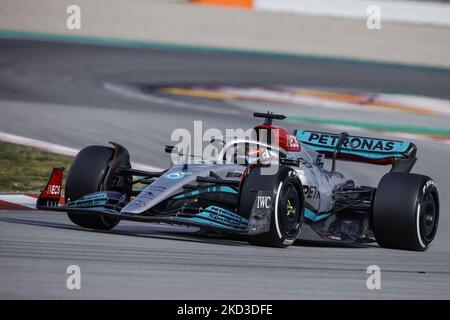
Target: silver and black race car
{"x": 268, "y": 191}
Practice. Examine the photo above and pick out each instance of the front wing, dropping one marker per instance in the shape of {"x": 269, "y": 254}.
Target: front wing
{"x": 110, "y": 204}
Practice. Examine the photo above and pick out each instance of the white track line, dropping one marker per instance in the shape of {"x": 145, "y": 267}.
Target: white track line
{"x": 19, "y": 199}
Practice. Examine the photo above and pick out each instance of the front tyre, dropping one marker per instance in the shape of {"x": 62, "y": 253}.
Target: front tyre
{"x": 405, "y": 211}
{"x": 87, "y": 175}
{"x": 287, "y": 206}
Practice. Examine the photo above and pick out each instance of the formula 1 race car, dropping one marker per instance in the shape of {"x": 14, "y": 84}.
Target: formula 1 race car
{"x": 240, "y": 193}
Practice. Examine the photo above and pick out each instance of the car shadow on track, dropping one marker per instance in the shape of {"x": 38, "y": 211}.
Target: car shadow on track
{"x": 130, "y": 231}
{"x": 155, "y": 232}
{"x": 332, "y": 244}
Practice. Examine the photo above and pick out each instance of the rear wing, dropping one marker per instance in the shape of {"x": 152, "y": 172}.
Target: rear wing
{"x": 400, "y": 154}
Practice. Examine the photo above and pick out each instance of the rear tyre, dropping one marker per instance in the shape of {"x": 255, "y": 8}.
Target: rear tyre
{"x": 405, "y": 211}
{"x": 287, "y": 205}
{"x": 86, "y": 175}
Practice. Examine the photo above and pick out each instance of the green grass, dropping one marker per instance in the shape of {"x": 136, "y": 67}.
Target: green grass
{"x": 26, "y": 170}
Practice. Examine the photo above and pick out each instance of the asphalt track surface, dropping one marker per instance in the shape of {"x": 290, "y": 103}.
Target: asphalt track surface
{"x": 55, "y": 92}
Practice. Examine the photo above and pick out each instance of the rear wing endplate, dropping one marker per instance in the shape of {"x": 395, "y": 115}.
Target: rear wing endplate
{"x": 400, "y": 154}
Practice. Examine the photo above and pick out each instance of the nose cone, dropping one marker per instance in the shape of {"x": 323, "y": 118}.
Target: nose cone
{"x": 166, "y": 186}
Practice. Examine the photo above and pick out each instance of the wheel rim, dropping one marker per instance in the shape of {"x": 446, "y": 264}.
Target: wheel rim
{"x": 428, "y": 217}
{"x": 289, "y": 210}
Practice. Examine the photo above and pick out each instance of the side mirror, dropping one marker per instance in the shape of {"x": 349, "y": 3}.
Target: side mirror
{"x": 170, "y": 149}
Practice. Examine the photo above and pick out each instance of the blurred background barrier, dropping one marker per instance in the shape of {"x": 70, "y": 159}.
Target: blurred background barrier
{"x": 228, "y": 3}
{"x": 428, "y": 12}
{"x": 182, "y": 23}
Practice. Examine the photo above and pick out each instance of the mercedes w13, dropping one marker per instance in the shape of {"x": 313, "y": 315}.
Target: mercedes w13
{"x": 267, "y": 191}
